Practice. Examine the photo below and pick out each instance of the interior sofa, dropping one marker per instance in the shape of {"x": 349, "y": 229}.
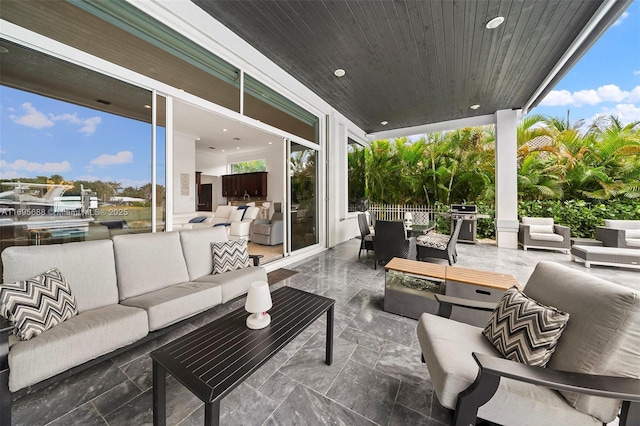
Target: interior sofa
{"x": 590, "y": 367}
{"x": 619, "y": 233}
{"x": 193, "y": 220}
{"x": 128, "y": 289}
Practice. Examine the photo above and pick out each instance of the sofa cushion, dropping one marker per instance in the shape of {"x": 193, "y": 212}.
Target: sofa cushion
{"x": 622, "y": 224}
{"x": 93, "y": 279}
{"x": 447, "y": 346}
{"x": 602, "y": 336}
{"x": 196, "y": 247}
{"x": 236, "y": 283}
{"x": 177, "y": 302}
{"x": 37, "y": 304}
{"x": 523, "y": 330}
{"x": 148, "y": 262}
{"x": 90, "y": 334}
{"x": 236, "y": 215}
{"x": 545, "y": 221}
{"x": 223, "y": 212}
{"x": 541, "y": 229}
{"x": 262, "y": 228}
{"x": 633, "y": 242}
{"x": 229, "y": 255}
{"x": 632, "y": 234}
{"x": 545, "y": 236}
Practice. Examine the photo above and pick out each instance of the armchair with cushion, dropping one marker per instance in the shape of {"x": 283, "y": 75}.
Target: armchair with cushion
{"x": 269, "y": 232}
{"x": 434, "y": 245}
{"x": 591, "y": 364}
{"x": 619, "y": 233}
{"x": 542, "y": 233}
{"x": 391, "y": 241}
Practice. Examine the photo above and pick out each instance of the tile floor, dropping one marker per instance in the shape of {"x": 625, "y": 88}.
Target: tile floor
{"x": 376, "y": 378}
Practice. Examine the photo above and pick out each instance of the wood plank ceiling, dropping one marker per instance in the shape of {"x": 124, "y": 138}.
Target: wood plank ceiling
{"x": 412, "y": 62}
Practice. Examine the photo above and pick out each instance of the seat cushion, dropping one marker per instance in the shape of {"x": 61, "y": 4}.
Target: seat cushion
{"x": 524, "y": 330}
{"x": 545, "y": 221}
{"x": 236, "y": 215}
{"x": 447, "y": 346}
{"x": 433, "y": 240}
{"x": 262, "y": 228}
{"x": 93, "y": 281}
{"x": 602, "y": 335}
{"x": 148, "y": 262}
{"x": 633, "y": 242}
{"x": 196, "y": 247}
{"x": 236, "y": 283}
{"x": 177, "y": 302}
{"x": 545, "y": 236}
{"x": 37, "y": 304}
{"x": 82, "y": 338}
{"x": 541, "y": 229}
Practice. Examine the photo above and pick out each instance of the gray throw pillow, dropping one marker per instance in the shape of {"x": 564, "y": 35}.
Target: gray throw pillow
{"x": 524, "y": 330}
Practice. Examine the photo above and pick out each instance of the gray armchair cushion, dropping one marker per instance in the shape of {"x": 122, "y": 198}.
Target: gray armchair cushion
{"x": 196, "y": 247}
{"x": 603, "y": 334}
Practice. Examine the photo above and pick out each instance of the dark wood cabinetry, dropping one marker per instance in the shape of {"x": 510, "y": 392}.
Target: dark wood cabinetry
{"x": 253, "y": 184}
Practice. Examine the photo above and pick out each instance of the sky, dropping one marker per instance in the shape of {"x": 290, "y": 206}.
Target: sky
{"x": 606, "y": 80}
{"x": 42, "y": 137}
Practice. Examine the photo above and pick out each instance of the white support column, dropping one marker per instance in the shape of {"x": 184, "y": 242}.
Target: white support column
{"x": 506, "y": 178}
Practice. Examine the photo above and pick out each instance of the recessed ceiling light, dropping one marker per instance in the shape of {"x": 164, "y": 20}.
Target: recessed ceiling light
{"x": 224, "y": 130}
{"x": 197, "y": 139}
{"x": 147, "y": 106}
{"x": 237, "y": 147}
{"x": 476, "y": 106}
{"x": 495, "y": 22}
{"x": 339, "y": 72}
{"x": 270, "y": 142}
{"x": 4, "y": 50}
{"x": 384, "y": 123}
{"x": 223, "y": 150}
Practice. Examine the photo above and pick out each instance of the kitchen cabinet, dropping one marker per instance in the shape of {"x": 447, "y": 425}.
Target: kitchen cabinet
{"x": 254, "y": 184}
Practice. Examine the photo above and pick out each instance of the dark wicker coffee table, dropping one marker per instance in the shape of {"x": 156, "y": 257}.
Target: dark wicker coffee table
{"x": 212, "y": 360}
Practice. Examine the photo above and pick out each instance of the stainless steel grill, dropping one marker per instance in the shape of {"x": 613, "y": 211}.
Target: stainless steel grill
{"x": 469, "y": 214}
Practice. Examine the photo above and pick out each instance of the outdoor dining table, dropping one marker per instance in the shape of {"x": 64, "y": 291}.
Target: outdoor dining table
{"x": 415, "y": 230}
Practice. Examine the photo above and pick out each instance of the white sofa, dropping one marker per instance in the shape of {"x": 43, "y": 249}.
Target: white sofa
{"x": 619, "y": 233}
{"x": 184, "y": 220}
{"x": 127, "y": 289}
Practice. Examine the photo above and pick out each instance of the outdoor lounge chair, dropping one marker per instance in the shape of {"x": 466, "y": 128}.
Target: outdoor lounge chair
{"x": 542, "y": 233}
{"x": 433, "y": 245}
{"x": 593, "y": 367}
{"x": 366, "y": 237}
{"x": 391, "y": 241}
{"x": 619, "y": 233}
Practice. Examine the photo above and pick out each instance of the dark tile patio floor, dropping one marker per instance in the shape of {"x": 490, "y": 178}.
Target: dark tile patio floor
{"x": 376, "y": 378}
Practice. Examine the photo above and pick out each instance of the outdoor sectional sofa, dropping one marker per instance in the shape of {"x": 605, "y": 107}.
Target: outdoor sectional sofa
{"x": 128, "y": 290}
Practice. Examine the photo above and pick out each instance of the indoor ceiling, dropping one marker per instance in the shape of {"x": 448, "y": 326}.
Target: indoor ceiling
{"x": 218, "y": 134}
{"x": 409, "y": 62}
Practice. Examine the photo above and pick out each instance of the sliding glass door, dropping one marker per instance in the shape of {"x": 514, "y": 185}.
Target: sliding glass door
{"x": 303, "y": 200}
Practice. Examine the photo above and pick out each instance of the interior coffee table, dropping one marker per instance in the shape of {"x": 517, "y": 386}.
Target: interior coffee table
{"x": 212, "y": 360}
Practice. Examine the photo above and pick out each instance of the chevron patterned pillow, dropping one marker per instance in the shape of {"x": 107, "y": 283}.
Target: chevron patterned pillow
{"x": 229, "y": 255}
{"x": 37, "y": 304}
{"x": 523, "y": 330}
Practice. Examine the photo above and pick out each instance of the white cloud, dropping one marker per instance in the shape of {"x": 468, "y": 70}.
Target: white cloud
{"x": 88, "y": 178}
{"x": 636, "y": 72}
{"x": 606, "y": 93}
{"x": 132, "y": 183}
{"x": 32, "y": 167}
{"x": 621, "y": 18}
{"x": 627, "y": 113}
{"x": 121, "y": 157}
{"x": 39, "y": 120}
{"x": 32, "y": 118}
{"x": 88, "y": 124}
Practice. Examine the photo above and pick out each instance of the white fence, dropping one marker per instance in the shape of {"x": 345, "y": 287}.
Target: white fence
{"x": 421, "y": 213}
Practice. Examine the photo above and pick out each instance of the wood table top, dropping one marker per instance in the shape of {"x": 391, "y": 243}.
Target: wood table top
{"x": 454, "y": 273}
